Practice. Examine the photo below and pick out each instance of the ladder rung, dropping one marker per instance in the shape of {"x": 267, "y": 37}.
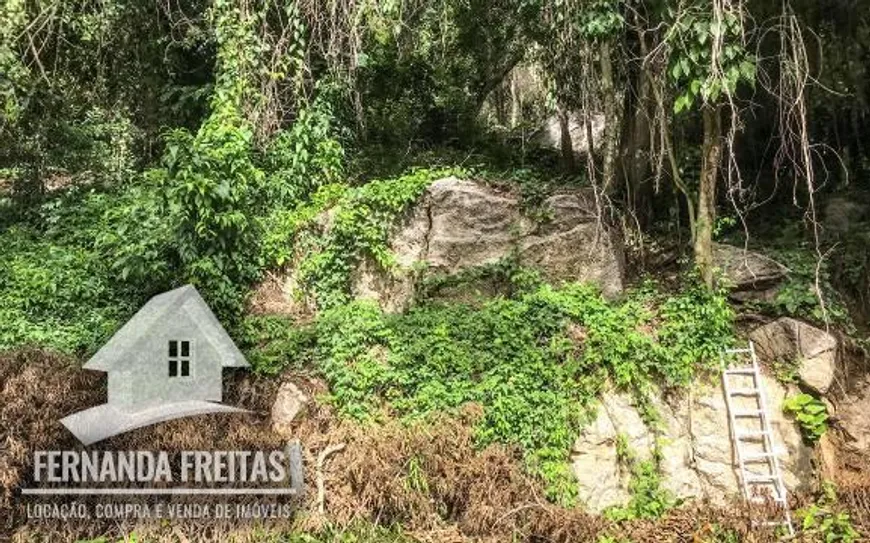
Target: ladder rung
{"x": 749, "y": 413}
{"x": 760, "y": 500}
{"x": 758, "y": 456}
{"x": 772, "y": 479}
{"x": 751, "y": 434}
{"x": 736, "y": 351}
{"x": 740, "y": 371}
{"x": 744, "y": 392}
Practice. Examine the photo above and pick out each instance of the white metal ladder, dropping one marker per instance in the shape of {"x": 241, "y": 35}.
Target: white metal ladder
{"x": 757, "y": 457}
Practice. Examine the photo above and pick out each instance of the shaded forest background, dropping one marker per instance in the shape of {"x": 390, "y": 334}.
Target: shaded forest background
{"x": 702, "y": 118}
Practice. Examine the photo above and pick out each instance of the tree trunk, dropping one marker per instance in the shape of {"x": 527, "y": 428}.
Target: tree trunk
{"x": 642, "y": 100}
{"x": 516, "y": 100}
{"x": 635, "y": 141}
{"x": 611, "y": 118}
{"x": 712, "y": 152}
{"x": 565, "y": 139}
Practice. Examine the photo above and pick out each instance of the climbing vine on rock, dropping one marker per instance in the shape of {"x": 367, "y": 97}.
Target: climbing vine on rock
{"x": 648, "y": 499}
{"x": 535, "y": 362}
{"x": 359, "y": 228}
{"x": 810, "y": 413}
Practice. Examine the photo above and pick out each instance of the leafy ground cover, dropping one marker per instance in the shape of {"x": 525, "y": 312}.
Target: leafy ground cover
{"x": 535, "y": 362}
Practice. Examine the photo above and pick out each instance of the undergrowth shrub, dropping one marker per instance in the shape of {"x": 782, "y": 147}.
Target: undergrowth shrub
{"x": 535, "y": 362}
{"x": 53, "y": 295}
{"x": 221, "y": 181}
{"x": 86, "y": 261}
{"x": 210, "y": 182}
{"x": 825, "y": 519}
{"x": 810, "y": 413}
{"x": 798, "y": 295}
{"x": 648, "y": 499}
{"x": 272, "y": 344}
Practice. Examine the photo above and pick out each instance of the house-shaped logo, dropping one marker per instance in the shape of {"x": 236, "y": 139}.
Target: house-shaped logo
{"x": 165, "y": 363}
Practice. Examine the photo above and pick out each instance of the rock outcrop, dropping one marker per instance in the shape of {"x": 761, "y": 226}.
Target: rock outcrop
{"x": 697, "y": 452}
{"x": 289, "y": 402}
{"x": 550, "y": 134}
{"x": 788, "y": 340}
{"x": 459, "y": 226}
{"x": 750, "y": 275}
{"x": 853, "y": 418}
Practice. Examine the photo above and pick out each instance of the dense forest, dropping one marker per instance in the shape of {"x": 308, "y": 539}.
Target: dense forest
{"x": 460, "y": 227}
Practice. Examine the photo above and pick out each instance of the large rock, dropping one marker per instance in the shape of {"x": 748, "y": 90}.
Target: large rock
{"x": 697, "y": 452}
{"x": 550, "y": 134}
{"x": 289, "y": 402}
{"x": 853, "y": 418}
{"x": 750, "y": 275}
{"x": 469, "y": 225}
{"x": 814, "y": 351}
{"x": 574, "y": 245}
{"x": 460, "y": 226}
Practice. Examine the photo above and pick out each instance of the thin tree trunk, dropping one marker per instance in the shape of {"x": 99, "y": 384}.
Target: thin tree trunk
{"x": 498, "y": 96}
{"x": 611, "y": 118}
{"x": 516, "y": 100}
{"x": 635, "y": 141}
{"x": 565, "y": 139}
{"x": 712, "y": 152}
{"x": 642, "y": 128}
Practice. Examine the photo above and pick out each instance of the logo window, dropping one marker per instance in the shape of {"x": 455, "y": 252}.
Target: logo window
{"x": 179, "y": 358}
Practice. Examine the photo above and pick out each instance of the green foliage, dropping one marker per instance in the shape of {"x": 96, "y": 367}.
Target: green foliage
{"x": 612, "y": 539}
{"x": 698, "y": 70}
{"x": 350, "y": 353}
{"x": 218, "y": 183}
{"x": 798, "y": 295}
{"x": 423, "y": 75}
{"x": 601, "y": 19}
{"x": 786, "y": 371}
{"x": 648, "y": 499}
{"x": 723, "y": 225}
{"x": 830, "y": 527}
{"x": 95, "y": 256}
{"x": 359, "y": 229}
{"x": 697, "y": 324}
{"x": 86, "y": 146}
{"x": 53, "y": 295}
{"x": 14, "y": 16}
{"x": 824, "y": 522}
{"x": 811, "y": 414}
{"x": 305, "y": 157}
{"x": 534, "y": 361}
{"x": 504, "y": 275}
{"x": 85, "y": 104}
{"x": 358, "y": 532}
{"x": 210, "y": 183}
{"x": 720, "y": 534}
{"x": 272, "y": 343}
{"x": 282, "y": 228}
